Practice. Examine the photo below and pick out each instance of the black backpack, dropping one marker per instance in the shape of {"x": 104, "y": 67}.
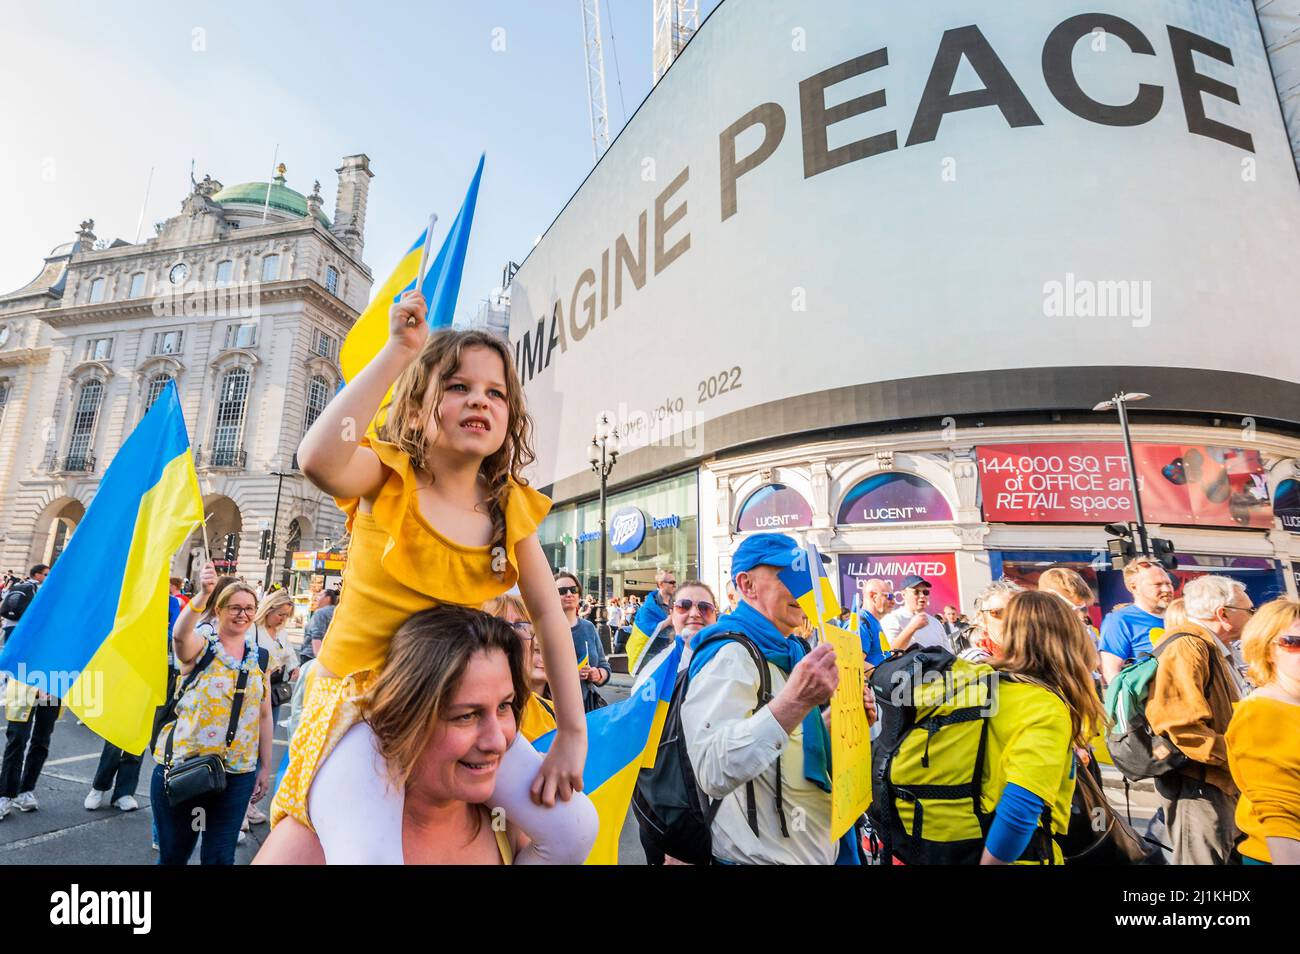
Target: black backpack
{"x": 16, "y": 600}
{"x": 673, "y": 813}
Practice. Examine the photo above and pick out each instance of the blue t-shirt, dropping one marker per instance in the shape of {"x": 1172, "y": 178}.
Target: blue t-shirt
{"x": 1126, "y": 633}
{"x": 869, "y": 633}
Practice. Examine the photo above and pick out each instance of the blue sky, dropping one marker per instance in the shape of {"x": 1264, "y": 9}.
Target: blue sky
{"x": 106, "y": 91}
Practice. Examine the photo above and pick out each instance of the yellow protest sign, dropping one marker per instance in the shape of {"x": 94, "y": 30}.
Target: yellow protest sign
{"x": 850, "y": 735}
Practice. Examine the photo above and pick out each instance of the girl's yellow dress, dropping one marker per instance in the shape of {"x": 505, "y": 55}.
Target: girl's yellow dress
{"x": 398, "y": 565}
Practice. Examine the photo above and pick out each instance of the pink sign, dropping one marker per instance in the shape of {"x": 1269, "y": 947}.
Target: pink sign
{"x": 940, "y": 569}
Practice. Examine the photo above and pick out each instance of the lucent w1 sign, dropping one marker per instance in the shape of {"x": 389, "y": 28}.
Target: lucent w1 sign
{"x": 1009, "y": 194}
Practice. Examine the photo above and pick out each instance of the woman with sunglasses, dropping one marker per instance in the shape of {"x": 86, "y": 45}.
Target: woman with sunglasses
{"x": 593, "y": 670}
{"x": 990, "y": 606}
{"x": 1264, "y": 738}
{"x": 537, "y": 716}
{"x": 694, "y": 607}
{"x": 204, "y": 714}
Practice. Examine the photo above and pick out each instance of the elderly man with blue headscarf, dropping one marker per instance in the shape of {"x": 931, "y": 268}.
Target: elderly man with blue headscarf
{"x": 768, "y": 764}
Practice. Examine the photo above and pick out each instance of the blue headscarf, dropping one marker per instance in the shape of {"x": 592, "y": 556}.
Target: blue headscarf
{"x": 783, "y": 652}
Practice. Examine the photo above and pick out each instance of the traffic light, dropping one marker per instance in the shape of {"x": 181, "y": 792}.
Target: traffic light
{"x": 264, "y": 549}
{"x": 1121, "y": 545}
{"x": 232, "y": 547}
{"x": 1163, "y": 551}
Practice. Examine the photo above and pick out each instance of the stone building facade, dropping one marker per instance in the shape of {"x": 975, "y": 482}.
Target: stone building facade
{"x": 243, "y": 300}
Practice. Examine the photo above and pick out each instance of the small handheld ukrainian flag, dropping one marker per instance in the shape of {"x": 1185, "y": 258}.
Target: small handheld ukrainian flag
{"x": 811, "y": 587}
{"x": 644, "y": 624}
{"x": 621, "y": 740}
{"x": 441, "y": 287}
{"x": 95, "y": 635}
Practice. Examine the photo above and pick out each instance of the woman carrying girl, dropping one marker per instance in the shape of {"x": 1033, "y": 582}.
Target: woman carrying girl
{"x": 439, "y": 513}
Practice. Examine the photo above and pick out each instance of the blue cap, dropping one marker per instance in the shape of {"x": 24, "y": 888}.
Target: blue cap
{"x": 765, "y": 549}
{"x": 913, "y": 580}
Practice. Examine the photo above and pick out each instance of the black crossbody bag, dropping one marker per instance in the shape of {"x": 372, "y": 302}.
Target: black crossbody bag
{"x": 202, "y": 774}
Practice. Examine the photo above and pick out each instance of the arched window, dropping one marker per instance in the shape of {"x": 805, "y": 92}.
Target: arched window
{"x": 96, "y": 291}
{"x": 893, "y": 497}
{"x": 156, "y": 385}
{"x": 270, "y": 268}
{"x": 773, "y": 507}
{"x": 232, "y": 401}
{"x": 318, "y": 394}
{"x": 83, "y": 426}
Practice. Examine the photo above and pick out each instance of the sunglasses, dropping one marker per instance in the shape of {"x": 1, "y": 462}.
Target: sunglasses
{"x": 1248, "y": 610}
{"x": 567, "y": 590}
{"x": 706, "y": 608}
{"x": 1290, "y": 643}
{"x": 996, "y": 613}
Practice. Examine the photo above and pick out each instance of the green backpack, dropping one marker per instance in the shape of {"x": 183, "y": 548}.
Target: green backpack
{"x": 1134, "y": 747}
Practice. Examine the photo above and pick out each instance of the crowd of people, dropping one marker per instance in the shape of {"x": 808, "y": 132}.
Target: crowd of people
{"x": 418, "y": 688}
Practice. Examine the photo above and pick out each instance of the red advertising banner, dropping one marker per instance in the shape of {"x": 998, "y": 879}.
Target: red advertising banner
{"x": 1088, "y": 482}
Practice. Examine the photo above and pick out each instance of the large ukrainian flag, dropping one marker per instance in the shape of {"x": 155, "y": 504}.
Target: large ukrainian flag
{"x": 441, "y": 287}
{"x": 96, "y": 633}
{"x": 644, "y": 624}
{"x": 621, "y": 740}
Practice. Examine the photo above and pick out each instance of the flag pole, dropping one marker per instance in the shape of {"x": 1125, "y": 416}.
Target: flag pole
{"x": 424, "y": 253}
{"x": 267, "y": 204}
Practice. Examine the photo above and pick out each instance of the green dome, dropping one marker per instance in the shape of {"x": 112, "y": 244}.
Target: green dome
{"x": 282, "y": 198}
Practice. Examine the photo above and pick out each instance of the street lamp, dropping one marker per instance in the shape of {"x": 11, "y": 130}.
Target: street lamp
{"x": 270, "y": 557}
{"x": 1120, "y": 403}
{"x": 603, "y": 454}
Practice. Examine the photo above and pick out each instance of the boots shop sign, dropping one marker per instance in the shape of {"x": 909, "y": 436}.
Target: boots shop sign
{"x": 810, "y": 176}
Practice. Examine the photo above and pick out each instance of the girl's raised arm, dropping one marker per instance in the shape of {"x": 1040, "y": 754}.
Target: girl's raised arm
{"x": 561, "y": 772}
{"x": 331, "y": 455}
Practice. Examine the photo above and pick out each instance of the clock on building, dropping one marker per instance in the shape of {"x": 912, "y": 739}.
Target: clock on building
{"x": 178, "y": 273}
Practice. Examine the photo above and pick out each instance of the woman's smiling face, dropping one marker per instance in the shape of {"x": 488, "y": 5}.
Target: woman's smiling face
{"x": 471, "y": 735}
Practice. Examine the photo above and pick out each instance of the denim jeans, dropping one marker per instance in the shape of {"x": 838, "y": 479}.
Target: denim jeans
{"x": 217, "y": 817}
{"x": 19, "y": 774}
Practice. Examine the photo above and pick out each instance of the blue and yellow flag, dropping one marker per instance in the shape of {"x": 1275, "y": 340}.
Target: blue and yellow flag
{"x": 440, "y": 289}
{"x": 95, "y": 635}
{"x": 621, "y": 740}
{"x": 644, "y": 624}
{"x": 799, "y": 581}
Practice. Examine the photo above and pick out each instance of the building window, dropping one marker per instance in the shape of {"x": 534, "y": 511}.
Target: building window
{"x": 332, "y": 280}
{"x": 318, "y": 391}
{"x": 167, "y": 342}
{"x": 241, "y": 336}
{"x": 156, "y": 385}
{"x": 83, "y": 424}
{"x": 270, "y": 268}
{"x": 231, "y": 405}
{"x": 323, "y": 345}
{"x": 99, "y": 349}
{"x": 4, "y": 399}
{"x": 137, "y": 285}
{"x": 96, "y": 291}
{"x": 224, "y": 270}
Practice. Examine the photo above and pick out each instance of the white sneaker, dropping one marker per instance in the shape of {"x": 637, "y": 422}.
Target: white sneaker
{"x": 154, "y": 846}
{"x": 6, "y": 805}
{"x": 26, "y": 802}
{"x": 126, "y": 803}
{"x": 95, "y": 799}
{"x": 242, "y": 836}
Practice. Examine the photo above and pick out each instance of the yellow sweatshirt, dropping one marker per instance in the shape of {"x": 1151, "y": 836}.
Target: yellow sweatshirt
{"x": 1264, "y": 756}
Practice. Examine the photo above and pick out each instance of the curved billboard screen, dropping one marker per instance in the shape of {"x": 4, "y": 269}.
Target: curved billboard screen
{"x": 1024, "y": 201}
